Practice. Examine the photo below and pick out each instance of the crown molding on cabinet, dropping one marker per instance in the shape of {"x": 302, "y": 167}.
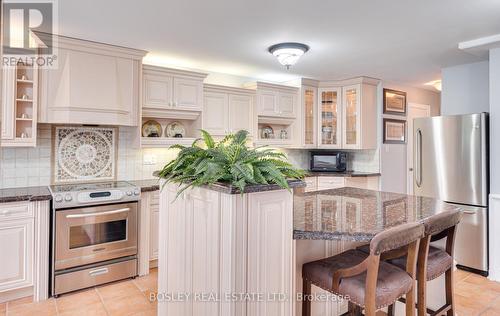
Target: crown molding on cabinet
{"x": 152, "y": 69}
{"x": 83, "y": 45}
{"x": 348, "y": 82}
{"x": 219, "y": 88}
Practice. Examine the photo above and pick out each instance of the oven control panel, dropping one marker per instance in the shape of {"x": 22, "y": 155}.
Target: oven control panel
{"x": 76, "y": 199}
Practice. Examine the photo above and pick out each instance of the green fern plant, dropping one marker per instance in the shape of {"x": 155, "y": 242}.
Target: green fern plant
{"x": 228, "y": 161}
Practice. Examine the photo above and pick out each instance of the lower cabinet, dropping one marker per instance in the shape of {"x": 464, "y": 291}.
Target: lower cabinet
{"x": 270, "y": 252}
{"x": 327, "y": 183}
{"x": 24, "y": 241}
{"x": 222, "y": 248}
{"x": 16, "y": 240}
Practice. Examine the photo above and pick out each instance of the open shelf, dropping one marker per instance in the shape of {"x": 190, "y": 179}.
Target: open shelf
{"x": 192, "y": 128}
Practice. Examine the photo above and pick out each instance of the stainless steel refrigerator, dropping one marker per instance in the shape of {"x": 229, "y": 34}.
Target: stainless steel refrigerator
{"x": 451, "y": 164}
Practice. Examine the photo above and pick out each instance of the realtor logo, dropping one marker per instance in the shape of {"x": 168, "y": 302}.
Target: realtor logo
{"x": 28, "y": 29}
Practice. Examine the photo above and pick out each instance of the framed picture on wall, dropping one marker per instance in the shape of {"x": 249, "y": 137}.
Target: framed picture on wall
{"x": 394, "y": 102}
{"x": 394, "y": 131}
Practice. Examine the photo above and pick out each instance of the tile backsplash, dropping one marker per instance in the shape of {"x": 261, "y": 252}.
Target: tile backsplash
{"x": 21, "y": 167}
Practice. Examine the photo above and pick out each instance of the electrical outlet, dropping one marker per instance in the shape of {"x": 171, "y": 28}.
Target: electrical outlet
{"x": 149, "y": 159}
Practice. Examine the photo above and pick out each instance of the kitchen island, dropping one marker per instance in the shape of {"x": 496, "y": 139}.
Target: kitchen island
{"x": 226, "y": 253}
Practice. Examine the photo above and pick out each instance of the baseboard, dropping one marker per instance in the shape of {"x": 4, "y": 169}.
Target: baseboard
{"x": 16, "y": 294}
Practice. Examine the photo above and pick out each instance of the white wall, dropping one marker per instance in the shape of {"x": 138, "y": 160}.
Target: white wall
{"x": 494, "y": 211}
{"x": 393, "y": 156}
{"x": 465, "y": 89}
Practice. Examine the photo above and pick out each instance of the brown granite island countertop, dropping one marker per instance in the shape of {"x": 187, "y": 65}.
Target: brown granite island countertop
{"x": 25, "y": 194}
{"x": 229, "y": 189}
{"x": 357, "y": 214}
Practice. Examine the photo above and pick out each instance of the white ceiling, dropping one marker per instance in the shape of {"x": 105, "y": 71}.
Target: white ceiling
{"x": 405, "y": 41}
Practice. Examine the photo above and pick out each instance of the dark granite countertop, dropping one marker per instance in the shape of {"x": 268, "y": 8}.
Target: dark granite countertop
{"x": 229, "y": 189}
{"x": 344, "y": 174}
{"x": 147, "y": 185}
{"x": 25, "y": 194}
{"x": 357, "y": 214}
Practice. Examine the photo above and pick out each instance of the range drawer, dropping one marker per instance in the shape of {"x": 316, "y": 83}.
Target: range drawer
{"x": 80, "y": 279}
{"x": 15, "y": 210}
{"x": 325, "y": 183}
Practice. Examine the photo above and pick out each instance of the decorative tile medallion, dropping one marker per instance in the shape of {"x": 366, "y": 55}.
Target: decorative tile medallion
{"x": 84, "y": 154}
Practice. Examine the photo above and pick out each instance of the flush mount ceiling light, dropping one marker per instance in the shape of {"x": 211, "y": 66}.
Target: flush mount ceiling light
{"x": 288, "y": 53}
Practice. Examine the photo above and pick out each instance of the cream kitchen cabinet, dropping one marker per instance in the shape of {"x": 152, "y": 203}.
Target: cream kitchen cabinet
{"x": 348, "y": 114}
{"x": 24, "y": 239}
{"x": 218, "y": 243}
{"x": 19, "y": 106}
{"x": 94, "y": 83}
{"x": 228, "y": 110}
{"x": 16, "y": 240}
{"x": 169, "y": 89}
{"x": 148, "y": 231}
{"x": 327, "y": 183}
{"x": 275, "y": 100}
{"x": 329, "y": 118}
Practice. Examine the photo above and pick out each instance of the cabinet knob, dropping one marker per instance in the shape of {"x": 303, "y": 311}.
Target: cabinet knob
{"x": 5, "y": 212}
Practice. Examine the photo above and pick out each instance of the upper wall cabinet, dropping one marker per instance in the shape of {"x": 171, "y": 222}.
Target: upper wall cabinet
{"x": 227, "y": 110}
{"x": 169, "y": 89}
{"x": 94, "y": 83}
{"x": 275, "y": 100}
{"x": 348, "y": 114}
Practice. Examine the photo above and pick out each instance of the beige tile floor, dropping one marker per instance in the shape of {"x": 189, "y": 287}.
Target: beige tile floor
{"x": 475, "y": 296}
{"x": 128, "y": 297}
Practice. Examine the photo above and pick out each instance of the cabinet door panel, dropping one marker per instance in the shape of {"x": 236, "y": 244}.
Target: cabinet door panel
{"x": 153, "y": 237}
{"x": 352, "y": 123}
{"x": 270, "y": 250}
{"x": 268, "y": 102}
{"x": 188, "y": 93}
{"x": 157, "y": 91}
{"x": 8, "y": 104}
{"x": 16, "y": 239}
{"x": 286, "y": 104}
{"x": 329, "y": 124}
{"x": 215, "y": 113}
{"x": 240, "y": 113}
{"x": 309, "y": 114}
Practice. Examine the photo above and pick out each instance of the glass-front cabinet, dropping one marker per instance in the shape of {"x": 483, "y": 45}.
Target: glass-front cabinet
{"x": 309, "y": 113}
{"x": 329, "y": 127}
{"x": 352, "y": 126}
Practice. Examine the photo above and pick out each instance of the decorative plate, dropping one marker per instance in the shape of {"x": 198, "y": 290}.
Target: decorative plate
{"x": 267, "y": 132}
{"x": 84, "y": 154}
{"x": 175, "y": 129}
{"x": 151, "y": 129}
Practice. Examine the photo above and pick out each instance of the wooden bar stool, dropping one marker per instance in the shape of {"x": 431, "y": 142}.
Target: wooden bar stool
{"x": 361, "y": 278}
{"x": 432, "y": 261}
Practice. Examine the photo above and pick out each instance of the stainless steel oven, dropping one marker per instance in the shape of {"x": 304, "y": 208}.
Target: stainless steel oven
{"x": 92, "y": 234}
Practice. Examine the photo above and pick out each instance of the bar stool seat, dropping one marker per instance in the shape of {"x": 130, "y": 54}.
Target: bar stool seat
{"x": 392, "y": 281}
{"x": 438, "y": 261}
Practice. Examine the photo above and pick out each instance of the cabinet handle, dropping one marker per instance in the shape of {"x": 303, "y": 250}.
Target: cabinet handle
{"x": 97, "y": 272}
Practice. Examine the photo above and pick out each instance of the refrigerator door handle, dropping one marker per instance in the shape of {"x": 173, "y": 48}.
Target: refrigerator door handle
{"x": 418, "y": 163}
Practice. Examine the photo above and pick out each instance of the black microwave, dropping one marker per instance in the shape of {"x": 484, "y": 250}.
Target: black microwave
{"x": 326, "y": 161}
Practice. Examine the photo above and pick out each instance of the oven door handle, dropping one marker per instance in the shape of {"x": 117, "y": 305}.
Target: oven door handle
{"x": 122, "y": 210}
